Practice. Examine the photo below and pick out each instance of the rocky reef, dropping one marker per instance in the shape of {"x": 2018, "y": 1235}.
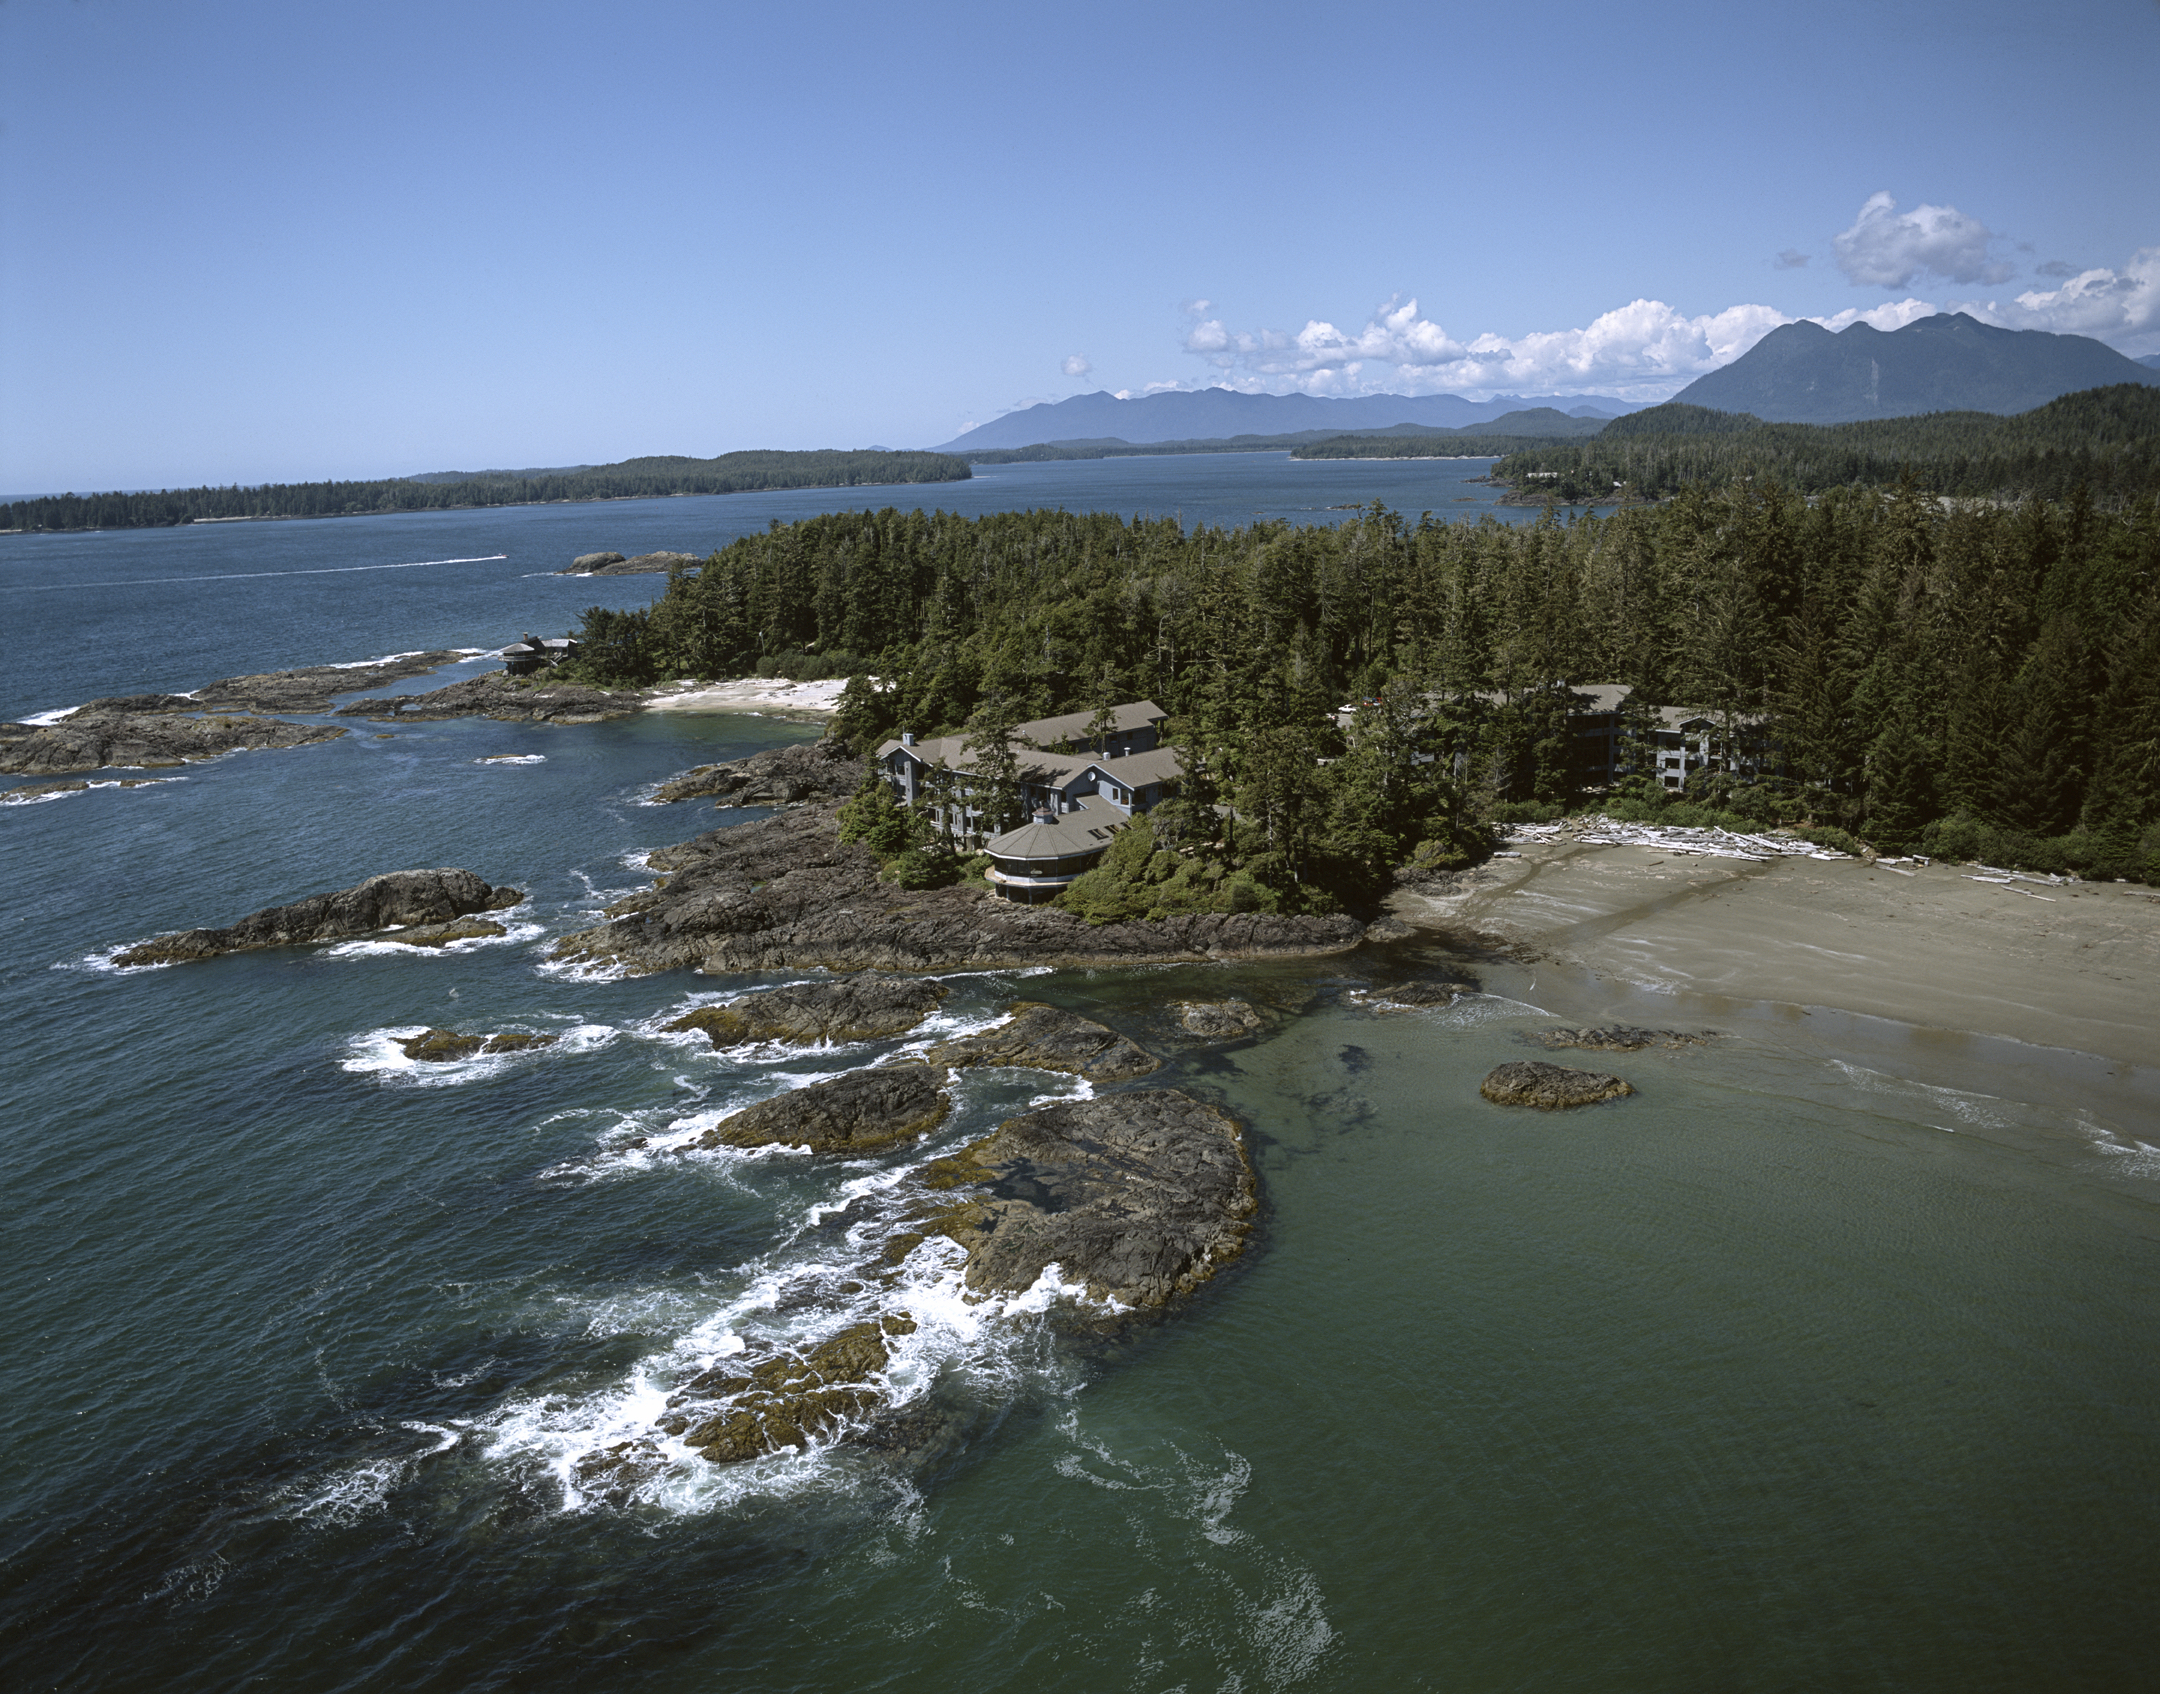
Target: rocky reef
{"x": 780, "y": 776}
{"x": 96, "y": 736}
{"x": 614, "y": 564}
{"x": 1549, "y": 1088}
{"x": 1139, "y": 1196}
{"x": 441, "y": 1046}
{"x": 788, "y": 1400}
{"x": 1421, "y": 995}
{"x": 860, "y": 1008}
{"x": 382, "y": 902}
{"x": 860, "y": 1112}
{"x": 499, "y": 695}
{"x": 310, "y": 688}
{"x": 1049, "y": 1038}
{"x": 1616, "y": 1038}
{"x": 785, "y": 892}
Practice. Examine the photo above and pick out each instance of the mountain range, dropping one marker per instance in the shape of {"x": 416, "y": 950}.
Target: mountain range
{"x": 1220, "y": 413}
{"x": 1951, "y": 362}
{"x": 1798, "y": 373}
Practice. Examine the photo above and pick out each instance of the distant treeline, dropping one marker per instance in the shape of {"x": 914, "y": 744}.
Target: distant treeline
{"x": 2105, "y": 440}
{"x": 633, "y": 479}
{"x": 1433, "y": 446}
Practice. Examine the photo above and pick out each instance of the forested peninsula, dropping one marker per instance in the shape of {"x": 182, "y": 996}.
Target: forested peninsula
{"x": 2105, "y": 440}
{"x": 632, "y": 479}
{"x": 1977, "y": 681}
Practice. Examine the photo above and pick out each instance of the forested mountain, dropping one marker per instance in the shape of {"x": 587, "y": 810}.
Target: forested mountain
{"x": 2106, "y": 441}
{"x": 631, "y": 479}
{"x": 1951, "y": 362}
{"x": 1212, "y": 414}
{"x": 1514, "y": 429}
{"x": 1979, "y": 680}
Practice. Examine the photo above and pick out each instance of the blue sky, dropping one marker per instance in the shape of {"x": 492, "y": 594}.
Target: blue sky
{"x": 252, "y": 241}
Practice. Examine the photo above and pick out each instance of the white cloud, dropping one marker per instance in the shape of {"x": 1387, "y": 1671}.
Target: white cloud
{"x": 1895, "y": 315}
{"x": 1076, "y": 364}
{"x": 1644, "y": 350}
{"x": 1886, "y": 248}
{"x": 2114, "y": 305}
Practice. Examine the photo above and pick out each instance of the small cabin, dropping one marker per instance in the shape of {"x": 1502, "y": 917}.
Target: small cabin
{"x": 523, "y": 657}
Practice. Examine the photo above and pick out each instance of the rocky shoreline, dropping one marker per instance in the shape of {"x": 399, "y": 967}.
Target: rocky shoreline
{"x": 785, "y": 892}
{"x": 97, "y": 737}
{"x": 497, "y": 694}
{"x": 433, "y": 900}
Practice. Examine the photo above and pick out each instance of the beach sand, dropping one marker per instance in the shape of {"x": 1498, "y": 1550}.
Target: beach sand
{"x": 2072, "y": 966}
{"x": 770, "y": 696}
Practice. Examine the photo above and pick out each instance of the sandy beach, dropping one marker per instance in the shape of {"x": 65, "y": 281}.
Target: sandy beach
{"x": 769, "y": 696}
{"x": 2074, "y": 966}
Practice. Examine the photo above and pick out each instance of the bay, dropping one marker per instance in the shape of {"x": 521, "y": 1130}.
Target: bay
{"x": 1823, "y": 1361}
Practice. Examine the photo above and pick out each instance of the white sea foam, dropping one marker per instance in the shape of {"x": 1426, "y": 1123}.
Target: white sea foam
{"x": 514, "y": 935}
{"x": 15, "y": 797}
{"x": 512, "y": 759}
{"x": 380, "y": 1052}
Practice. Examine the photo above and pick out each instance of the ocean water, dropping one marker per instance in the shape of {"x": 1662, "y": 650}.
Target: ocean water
{"x": 1826, "y": 1361}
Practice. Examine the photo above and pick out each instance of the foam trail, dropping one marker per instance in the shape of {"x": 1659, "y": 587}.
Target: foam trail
{"x": 257, "y": 576}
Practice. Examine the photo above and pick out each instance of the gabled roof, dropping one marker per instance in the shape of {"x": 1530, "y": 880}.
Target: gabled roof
{"x": 1073, "y": 726}
{"x": 1137, "y": 770}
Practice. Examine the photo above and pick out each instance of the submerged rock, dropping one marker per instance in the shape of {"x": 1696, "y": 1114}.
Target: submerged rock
{"x": 1419, "y": 996}
{"x": 1049, "y": 1038}
{"x": 858, "y": 1008}
{"x": 394, "y": 898}
{"x": 857, "y": 1113}
{"x": 1549, "y": 1087}
{"x": 1217, "y": 1020}
{"x": 784, "y": 892}
{"x": 779, "y": 776}
{"x": 1140, "y": 1196}
{"x": 500, "y": 695}
{"x": 90, "y": 739}
{"x": 1616, "y": 1038}
{"x": 42, "y": 790}
{"x": 440, "y": 1046}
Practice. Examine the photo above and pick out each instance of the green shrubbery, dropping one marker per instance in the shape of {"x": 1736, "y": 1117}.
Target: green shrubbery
{"x": 1138, "y": 879}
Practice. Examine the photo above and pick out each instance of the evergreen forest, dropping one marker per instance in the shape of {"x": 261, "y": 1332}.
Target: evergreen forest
{"x": 1975, "y": 681}
{"x": 2104, "y": 440}
{"x": 633, "y": 479}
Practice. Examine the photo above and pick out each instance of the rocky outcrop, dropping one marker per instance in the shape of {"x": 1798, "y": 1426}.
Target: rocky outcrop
{"x": 860, "y": 1112}
{"x": 442, "y": 934}
{"x": 500, "y": 695}
{"x": 1616, "y": 1038}
{"x": 310, "y": 689}
{"x": 441, "y": 1046}
{"x": 780, "y": 776}
{"x": 1217, "y": 1020}
{"x": 92, "y": 738}
{"x": 861, "y": 1008}
{"x": 1049, "y": 1038}
{"x": 1417, "y": 996}
{"x": 786, "y": 1401}
{"x": 1140, "y": 1196}
{"x": 1549, "y": 1087}
{"x": 785, "y": 893}
{"x": 614, "y": 564}
{"x": 381, "y": 902}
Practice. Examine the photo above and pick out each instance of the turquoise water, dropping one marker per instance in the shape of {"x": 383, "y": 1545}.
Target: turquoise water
{"x": 1825, "y": 1361}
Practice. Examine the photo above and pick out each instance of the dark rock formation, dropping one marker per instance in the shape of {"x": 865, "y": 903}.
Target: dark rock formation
{"x": 614, "y": 564}
{"x": 1049, "y": 1038}
{"x": 1616, "y": 1038}
{"x": 858, "y": 1008}
{"x": 310, "y": 688}
{"x": 90, "y": 739}
{"x": 499, "y": 695}
{"x": 440, "y": 1046}
{"x": 785, "y": 1401}
{"x": 1549, "y": 1087}
{"x": 785, "y": 892}
{"x": 856, "y": 1113}
{"x": 1418, "y": 996}
{"x": 780, "y": 776}
{"x": 39, "y": 790}
{"x": 397, "y": 897}
{"x": 442, "y": 934}
{"x": 1140, "y": 1196}
{"x": 1217, "y": 1020}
